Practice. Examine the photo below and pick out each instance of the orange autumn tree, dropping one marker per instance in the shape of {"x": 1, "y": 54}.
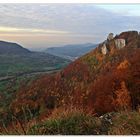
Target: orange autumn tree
{"x": 123, "y": 99}
{"x": 123, "y": 65}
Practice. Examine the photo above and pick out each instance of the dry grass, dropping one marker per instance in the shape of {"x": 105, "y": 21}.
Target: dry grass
{"x": 125, "y": 123}
{"x": 74, "y": 121}
{"x": 68, "y": 122}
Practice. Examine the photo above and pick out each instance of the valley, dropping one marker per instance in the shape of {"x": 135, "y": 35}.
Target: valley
{"x": 19, "y": 66}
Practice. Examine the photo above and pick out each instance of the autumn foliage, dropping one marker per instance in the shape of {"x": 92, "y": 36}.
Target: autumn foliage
{"x": 123, "y": 99}
{"x": 96, "y": 83}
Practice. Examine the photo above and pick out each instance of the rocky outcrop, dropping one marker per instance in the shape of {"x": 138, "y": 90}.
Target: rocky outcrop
{"x": 120, "y": 43}
{"x": 104, "y": 49}
{"x": 110, "y": 36}
{"x": 106, "y": 122}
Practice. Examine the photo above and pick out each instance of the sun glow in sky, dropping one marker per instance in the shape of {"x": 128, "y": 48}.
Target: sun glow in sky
{"x": 44, "y": 25}
{"x": 29, "y": 30}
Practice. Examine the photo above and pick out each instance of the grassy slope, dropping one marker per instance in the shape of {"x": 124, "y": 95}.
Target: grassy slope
{"x": 77, "y": 122}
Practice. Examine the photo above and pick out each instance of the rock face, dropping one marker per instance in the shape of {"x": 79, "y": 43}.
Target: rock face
{"x": 104, "y": 49}
{"x": 110, "y": 36}
{"x": 120, "y": 43}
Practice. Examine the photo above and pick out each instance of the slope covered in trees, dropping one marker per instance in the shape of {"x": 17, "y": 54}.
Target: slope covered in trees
{"x": 93, "y": 82}
{"x": 96, "y": 83}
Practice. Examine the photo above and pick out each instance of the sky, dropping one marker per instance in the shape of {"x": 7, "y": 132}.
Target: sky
{"x": 45, "y": 25}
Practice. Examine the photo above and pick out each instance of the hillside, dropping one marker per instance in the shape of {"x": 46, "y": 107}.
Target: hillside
{"x": 19, "y": 65}
{"x": 14, "y": 60}
{"x": 107, "y": 79}
{"x": 12, "y": 48}
{"x": 92, "y": 78}
{"x": 72, "y": 51}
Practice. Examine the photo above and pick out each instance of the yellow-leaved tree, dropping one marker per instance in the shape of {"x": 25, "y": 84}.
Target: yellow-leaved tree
{"x": 123, "y": 98}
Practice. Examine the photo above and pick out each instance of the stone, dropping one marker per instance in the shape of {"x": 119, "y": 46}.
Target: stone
{"x": 120, "y": 43}
{"x": 106, "y": 122}
{"x": 110, "y": 36}
{"x": 104, "y": 49}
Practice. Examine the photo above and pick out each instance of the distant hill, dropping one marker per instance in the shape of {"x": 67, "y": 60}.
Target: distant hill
{"x": 14, "y": 60}
{"x": 12, "y": 48}
{"x": 72, "y": 51}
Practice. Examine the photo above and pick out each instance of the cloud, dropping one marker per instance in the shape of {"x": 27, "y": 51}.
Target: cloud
{"x": 81, "y": 22}
{"x": 127, "y": 9}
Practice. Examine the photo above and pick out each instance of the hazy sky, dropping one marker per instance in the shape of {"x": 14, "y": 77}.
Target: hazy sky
{"x": 44, "y": 25}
